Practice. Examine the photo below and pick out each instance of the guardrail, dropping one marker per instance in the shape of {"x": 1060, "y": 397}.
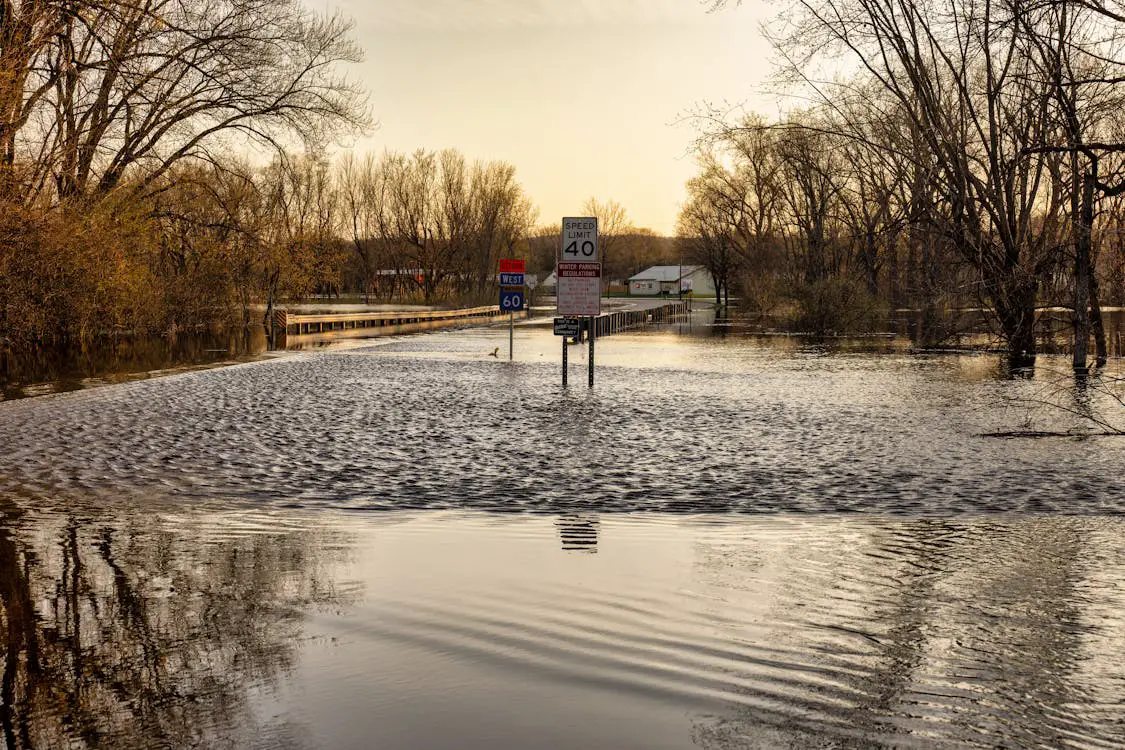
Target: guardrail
{"x": 611, "y": 323}
{"x": 380, "y": 323}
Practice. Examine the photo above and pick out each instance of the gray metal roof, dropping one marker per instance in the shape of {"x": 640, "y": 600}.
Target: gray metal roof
{"x": 664, "y": 273}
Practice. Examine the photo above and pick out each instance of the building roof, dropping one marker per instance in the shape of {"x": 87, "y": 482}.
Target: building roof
{"x": 664, "y": 273}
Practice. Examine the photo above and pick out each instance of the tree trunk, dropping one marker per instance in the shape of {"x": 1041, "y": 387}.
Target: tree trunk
{"x": 870, "y": 265}
{"x": 1016, "y": 311}
{"x": 1100, "y": 345}
{"x": 893, "y": 282}
{"x": 1085, "y": 210}
{"x": 271, "y": 293}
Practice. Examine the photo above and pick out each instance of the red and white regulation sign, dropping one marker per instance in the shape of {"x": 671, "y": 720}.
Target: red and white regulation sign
{"x": 579, "y": 290}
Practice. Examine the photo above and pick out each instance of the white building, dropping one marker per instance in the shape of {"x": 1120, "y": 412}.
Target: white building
{"x": 659, "y": 280}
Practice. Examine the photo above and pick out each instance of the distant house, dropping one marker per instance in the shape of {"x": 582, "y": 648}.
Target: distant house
{"x": 659, "y": 280}
{"x": 550, "y": 282}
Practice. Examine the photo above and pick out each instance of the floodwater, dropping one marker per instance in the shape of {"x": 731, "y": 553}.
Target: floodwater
{"x": 40, "y": 370}
{"x": 739, "y": 542}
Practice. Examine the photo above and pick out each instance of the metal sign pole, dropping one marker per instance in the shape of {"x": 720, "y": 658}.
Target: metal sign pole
{"x": 564, "y": 360}
{"x": 591, "y": 333}
{"x": 512, "y": 295}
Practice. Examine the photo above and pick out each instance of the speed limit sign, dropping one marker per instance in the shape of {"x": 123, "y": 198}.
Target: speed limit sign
{"x": 578, "y": 270}
{"x": 580, "y": 239}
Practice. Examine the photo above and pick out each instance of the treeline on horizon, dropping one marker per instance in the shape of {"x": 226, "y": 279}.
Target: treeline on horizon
{"x": 130, "y": 201}
{"x": 953, "y": 154}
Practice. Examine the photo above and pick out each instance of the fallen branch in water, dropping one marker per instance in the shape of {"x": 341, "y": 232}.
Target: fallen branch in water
{"x": 1094, "y": 400}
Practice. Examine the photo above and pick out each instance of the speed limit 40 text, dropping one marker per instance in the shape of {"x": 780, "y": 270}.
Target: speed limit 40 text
{"x": 579, "y": 238}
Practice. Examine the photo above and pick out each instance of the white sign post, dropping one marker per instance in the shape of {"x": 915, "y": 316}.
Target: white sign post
{"x": 579, "y": 276}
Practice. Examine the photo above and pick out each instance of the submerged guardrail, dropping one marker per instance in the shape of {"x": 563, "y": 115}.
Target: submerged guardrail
{"x": 367, "y": 324}
{"x": 608, "y": 324}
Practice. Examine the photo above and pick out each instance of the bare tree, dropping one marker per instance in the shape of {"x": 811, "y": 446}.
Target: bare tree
{"x": 27, "y": 30}
{"x": 362, "y": 194}
{"x": 110, "y": 110}
{"x": 612, "y": 224}
{"x": 960, "y": 76}
{"x": 95, "y": 90}
{"x": 707, "y": 232}
{"x": 448, "y": 222}
{"x": 299, "y": 233}
{"x": 1077, "y": 53}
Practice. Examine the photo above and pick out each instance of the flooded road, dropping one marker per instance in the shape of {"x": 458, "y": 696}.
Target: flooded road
{"x": 728, "y": 543}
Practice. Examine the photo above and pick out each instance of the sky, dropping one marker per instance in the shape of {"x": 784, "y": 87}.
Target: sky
{"x": 587, "y": 98}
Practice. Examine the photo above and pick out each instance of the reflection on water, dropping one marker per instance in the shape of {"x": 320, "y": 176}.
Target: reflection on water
{"x": 443, "y": 630}
{"x": 797, "y": 545}
{"x": 578, "y": 533}
{"x": 135, "y": 632}
{"x": 40, "y": 370}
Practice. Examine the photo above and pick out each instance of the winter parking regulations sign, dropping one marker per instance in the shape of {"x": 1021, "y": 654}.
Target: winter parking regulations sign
{"x": 579, "y": 274}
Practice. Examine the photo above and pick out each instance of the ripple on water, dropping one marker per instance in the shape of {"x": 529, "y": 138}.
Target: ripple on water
{"x": 174, "y": 625}
{"x": 899, "y": 633}
{"x": 411, "y": 425}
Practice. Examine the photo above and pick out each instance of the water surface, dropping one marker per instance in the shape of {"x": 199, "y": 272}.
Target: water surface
{"x": 454, "y": 630}
{"x": 727, "y": 543}
{"x": 674, "y": 423}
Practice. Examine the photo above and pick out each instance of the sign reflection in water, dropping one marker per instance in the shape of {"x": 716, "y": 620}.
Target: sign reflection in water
{"x": 795, "y": 544}
{"x": 124, "y": 629}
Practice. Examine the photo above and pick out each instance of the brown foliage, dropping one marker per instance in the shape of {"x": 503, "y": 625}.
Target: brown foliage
{"x": 74, "y": 274}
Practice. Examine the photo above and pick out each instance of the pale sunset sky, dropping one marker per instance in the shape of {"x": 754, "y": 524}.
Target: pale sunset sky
{"x": 582, "y": 96}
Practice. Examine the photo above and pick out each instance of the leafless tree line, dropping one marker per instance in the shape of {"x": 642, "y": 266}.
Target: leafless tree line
{"x": 111, "y": 111}
{"x": 426, "y": 227}
{"x": 954, "y": 152}
{"x": 431, "y": 223}
{"x": 129, "y": 201}
{"x": 97, "y": 93}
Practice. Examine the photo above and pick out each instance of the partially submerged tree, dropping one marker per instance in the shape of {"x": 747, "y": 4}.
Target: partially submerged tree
{"x": 964, "y": 81}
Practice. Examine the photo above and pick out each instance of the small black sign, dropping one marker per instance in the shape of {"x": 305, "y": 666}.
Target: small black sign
{"x": 567, "y": 327}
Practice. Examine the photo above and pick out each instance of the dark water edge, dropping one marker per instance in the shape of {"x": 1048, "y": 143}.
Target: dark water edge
{"x": 968, "y": 331}
{"x": 40, "y": 370}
